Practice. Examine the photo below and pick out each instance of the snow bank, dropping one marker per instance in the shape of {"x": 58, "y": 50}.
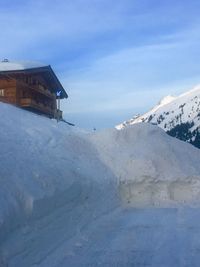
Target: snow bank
{"x": 153, "y": 169}
{"x": 44, "y": 165}
{"x": 67, "y": 196}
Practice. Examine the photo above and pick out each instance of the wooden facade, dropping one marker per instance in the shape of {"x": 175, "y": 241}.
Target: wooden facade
{"x": 35, "y": 89}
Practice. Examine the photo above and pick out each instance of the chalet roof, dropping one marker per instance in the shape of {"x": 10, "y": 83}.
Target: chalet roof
{"x": 9, "y": 67}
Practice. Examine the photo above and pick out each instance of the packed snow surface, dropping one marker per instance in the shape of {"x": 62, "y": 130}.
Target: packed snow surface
{"x": 110, "y": 198}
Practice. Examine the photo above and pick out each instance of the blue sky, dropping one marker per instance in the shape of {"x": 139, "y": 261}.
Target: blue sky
{"x": 115, "y": 58}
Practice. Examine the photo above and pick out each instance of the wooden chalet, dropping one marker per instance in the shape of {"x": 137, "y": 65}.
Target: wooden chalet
{"x": 31, "y": 86}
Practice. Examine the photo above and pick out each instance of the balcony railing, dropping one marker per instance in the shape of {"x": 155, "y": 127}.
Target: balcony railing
{"x": 29, "y": 102}
{"x": 37, "y": 88}
{"x": 42, "y": 91}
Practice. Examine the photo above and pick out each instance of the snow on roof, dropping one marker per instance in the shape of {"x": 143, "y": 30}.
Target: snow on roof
{"x": 6, "y": 65}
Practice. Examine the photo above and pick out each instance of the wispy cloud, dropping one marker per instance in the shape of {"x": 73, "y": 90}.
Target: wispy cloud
{"x": 110, "y": 55}
{"x": 136, "y": 77}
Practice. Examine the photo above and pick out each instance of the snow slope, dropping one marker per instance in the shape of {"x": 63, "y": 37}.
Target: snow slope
{"x": 178, "y": 116}
{"x": 111, "y": 198}
{"x": 42, "y": 160}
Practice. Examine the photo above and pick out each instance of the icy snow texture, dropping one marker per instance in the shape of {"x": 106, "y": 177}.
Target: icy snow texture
{"x": 71, "y": 198}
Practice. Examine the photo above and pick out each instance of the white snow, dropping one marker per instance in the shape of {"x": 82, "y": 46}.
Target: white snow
{"x": 110, "y": 198}
{"x": 150, "y": 166}
{"x": 19, "y": 65}
{"x": 172, "y": 111}
{"x": 166, "y": 100}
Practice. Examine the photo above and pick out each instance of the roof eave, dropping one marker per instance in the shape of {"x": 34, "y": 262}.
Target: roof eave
{"x": 44, "y": 68}
{"x": 64, "y": 94}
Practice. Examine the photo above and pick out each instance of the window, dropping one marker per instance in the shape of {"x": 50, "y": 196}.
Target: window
{"x": 1, "y": 92}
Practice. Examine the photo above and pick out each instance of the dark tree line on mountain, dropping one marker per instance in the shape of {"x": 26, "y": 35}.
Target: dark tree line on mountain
{"x": 183, "y": 132}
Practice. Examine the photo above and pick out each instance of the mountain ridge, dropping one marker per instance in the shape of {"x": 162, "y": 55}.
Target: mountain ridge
{"x": 179, "y": 116}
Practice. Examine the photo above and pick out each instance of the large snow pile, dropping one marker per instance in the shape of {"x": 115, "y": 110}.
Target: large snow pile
{"x": 178, "y": 116}
{"x": 152, "y": 168}
{"x": 69, "y": 198}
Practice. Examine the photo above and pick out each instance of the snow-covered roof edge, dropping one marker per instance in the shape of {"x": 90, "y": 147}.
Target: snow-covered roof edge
{"x": 7, "y": 66}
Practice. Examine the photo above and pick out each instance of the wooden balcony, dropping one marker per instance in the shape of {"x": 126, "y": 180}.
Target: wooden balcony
{"x": 42, "y": 91}
{"x": 40, "y": 107}
{"x": 38, "y": 88}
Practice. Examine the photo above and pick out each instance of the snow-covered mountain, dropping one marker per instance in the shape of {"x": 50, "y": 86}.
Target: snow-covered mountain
{"x": 110, "y": 198}
{"x": 178, "y": 116}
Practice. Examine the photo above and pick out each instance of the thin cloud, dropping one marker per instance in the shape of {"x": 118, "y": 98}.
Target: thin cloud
{"x": 108, "y": 54}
